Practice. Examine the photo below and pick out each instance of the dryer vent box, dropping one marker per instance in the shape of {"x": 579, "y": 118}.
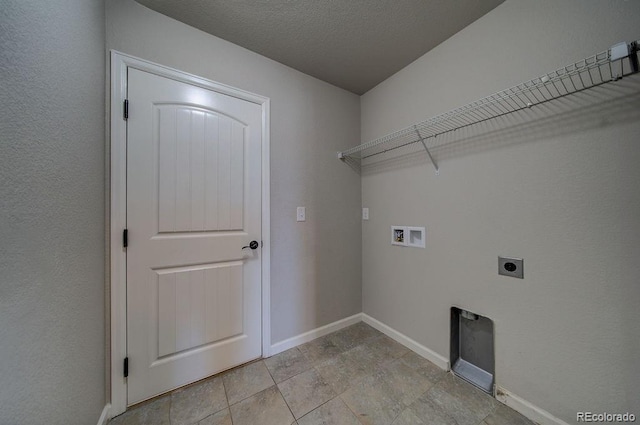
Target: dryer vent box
{"x": 472, "y": 352}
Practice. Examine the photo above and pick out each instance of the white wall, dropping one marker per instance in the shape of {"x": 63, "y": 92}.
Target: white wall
{"x": 51, "y": 212}
{"x": 561, "y": 192}
{"x": 315, "y": 265}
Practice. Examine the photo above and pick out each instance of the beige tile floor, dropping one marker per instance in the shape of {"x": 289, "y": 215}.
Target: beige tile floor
{"x": 355, "y": 376}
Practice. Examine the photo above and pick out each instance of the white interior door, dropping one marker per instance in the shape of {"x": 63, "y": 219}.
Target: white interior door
{"x": 193, "y": 202}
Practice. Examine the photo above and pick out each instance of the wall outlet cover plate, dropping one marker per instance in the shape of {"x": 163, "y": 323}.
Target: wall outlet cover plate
{"x": 512, "y": 267}
{"x": 301, "y": 214}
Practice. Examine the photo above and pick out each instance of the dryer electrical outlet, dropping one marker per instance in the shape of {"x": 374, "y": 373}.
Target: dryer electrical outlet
{"x": 512, "y": 267}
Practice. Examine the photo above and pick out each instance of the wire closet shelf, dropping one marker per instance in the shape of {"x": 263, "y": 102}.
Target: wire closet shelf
{"x": 611, "y": 65}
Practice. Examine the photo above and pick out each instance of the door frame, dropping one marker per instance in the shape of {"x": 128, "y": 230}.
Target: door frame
{"x": 118, "y": 210}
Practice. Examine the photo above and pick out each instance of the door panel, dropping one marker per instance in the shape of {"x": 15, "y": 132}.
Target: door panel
{"x": 198, "y": 306}
{"x": 193, "y": 201}
{"x": 202, "y": 155}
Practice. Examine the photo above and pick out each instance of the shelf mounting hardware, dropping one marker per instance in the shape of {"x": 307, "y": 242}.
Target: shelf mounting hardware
{"x": 424, "y": 144}
{"x": 633, "y": 56}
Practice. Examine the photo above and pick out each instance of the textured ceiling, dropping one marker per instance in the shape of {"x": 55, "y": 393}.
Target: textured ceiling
{"x": 353, "y": 44}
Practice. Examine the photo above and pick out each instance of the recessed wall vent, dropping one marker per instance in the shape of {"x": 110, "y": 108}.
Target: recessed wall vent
{"x": 472, "y": 353}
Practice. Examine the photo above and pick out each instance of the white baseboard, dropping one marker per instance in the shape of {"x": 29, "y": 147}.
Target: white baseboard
{"x": 518, "y": 404}
{"x": 506, "y": 397}
{"x": 104, "y": 417}
{"x": 420, "y": 349}
{"x": 412, "y": 345}
{"x": 281, "y": 346}
{"x": 527, "y": 409}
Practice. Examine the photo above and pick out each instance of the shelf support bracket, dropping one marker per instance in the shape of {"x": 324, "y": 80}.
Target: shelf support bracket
{"x": 435, "y": 164}
{"x": 633, "y": 56}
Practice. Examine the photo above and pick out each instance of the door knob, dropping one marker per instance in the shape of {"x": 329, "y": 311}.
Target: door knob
{"x": 252, "y": 245}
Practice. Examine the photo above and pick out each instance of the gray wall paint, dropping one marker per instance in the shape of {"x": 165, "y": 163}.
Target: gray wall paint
{"x": 51, "y": 213}
{"x": 561, "y": 192}
{"x": 315, "y": 265}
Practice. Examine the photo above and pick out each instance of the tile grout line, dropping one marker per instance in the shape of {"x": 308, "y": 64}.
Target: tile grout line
{"x": 170, "y": 405}
{"x": 226, "y": 398}
{"x": 293, "y": 376}
{"x": 295, "y": 420}
{"x": 326, "y": 402}
{"x": 490, "y": 413}
{"x": 314, "y": 365}
{"x": 361, "y": 343}
{"x": 350, "y": 409}
{"x": 305, "y": 371}
{"x": 248, "y": 397}
{"x": 374, "y": 369}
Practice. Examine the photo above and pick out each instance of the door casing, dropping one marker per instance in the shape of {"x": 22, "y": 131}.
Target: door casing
{"x": 120, "y": 62}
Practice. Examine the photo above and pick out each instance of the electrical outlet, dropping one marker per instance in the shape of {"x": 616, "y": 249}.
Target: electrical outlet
{"x": 301, "y": 214}
{"x": 365, "y": 213}
{"x": 512, "y": 267}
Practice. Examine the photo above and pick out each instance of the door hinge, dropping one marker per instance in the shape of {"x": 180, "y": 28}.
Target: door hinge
{"x": 125, "y": 238}
{"x": 126, "y": 367}
{"x": 126, "y": 109}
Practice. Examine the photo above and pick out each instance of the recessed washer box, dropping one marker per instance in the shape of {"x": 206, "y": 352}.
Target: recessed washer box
{"x": 399, "y": 235}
